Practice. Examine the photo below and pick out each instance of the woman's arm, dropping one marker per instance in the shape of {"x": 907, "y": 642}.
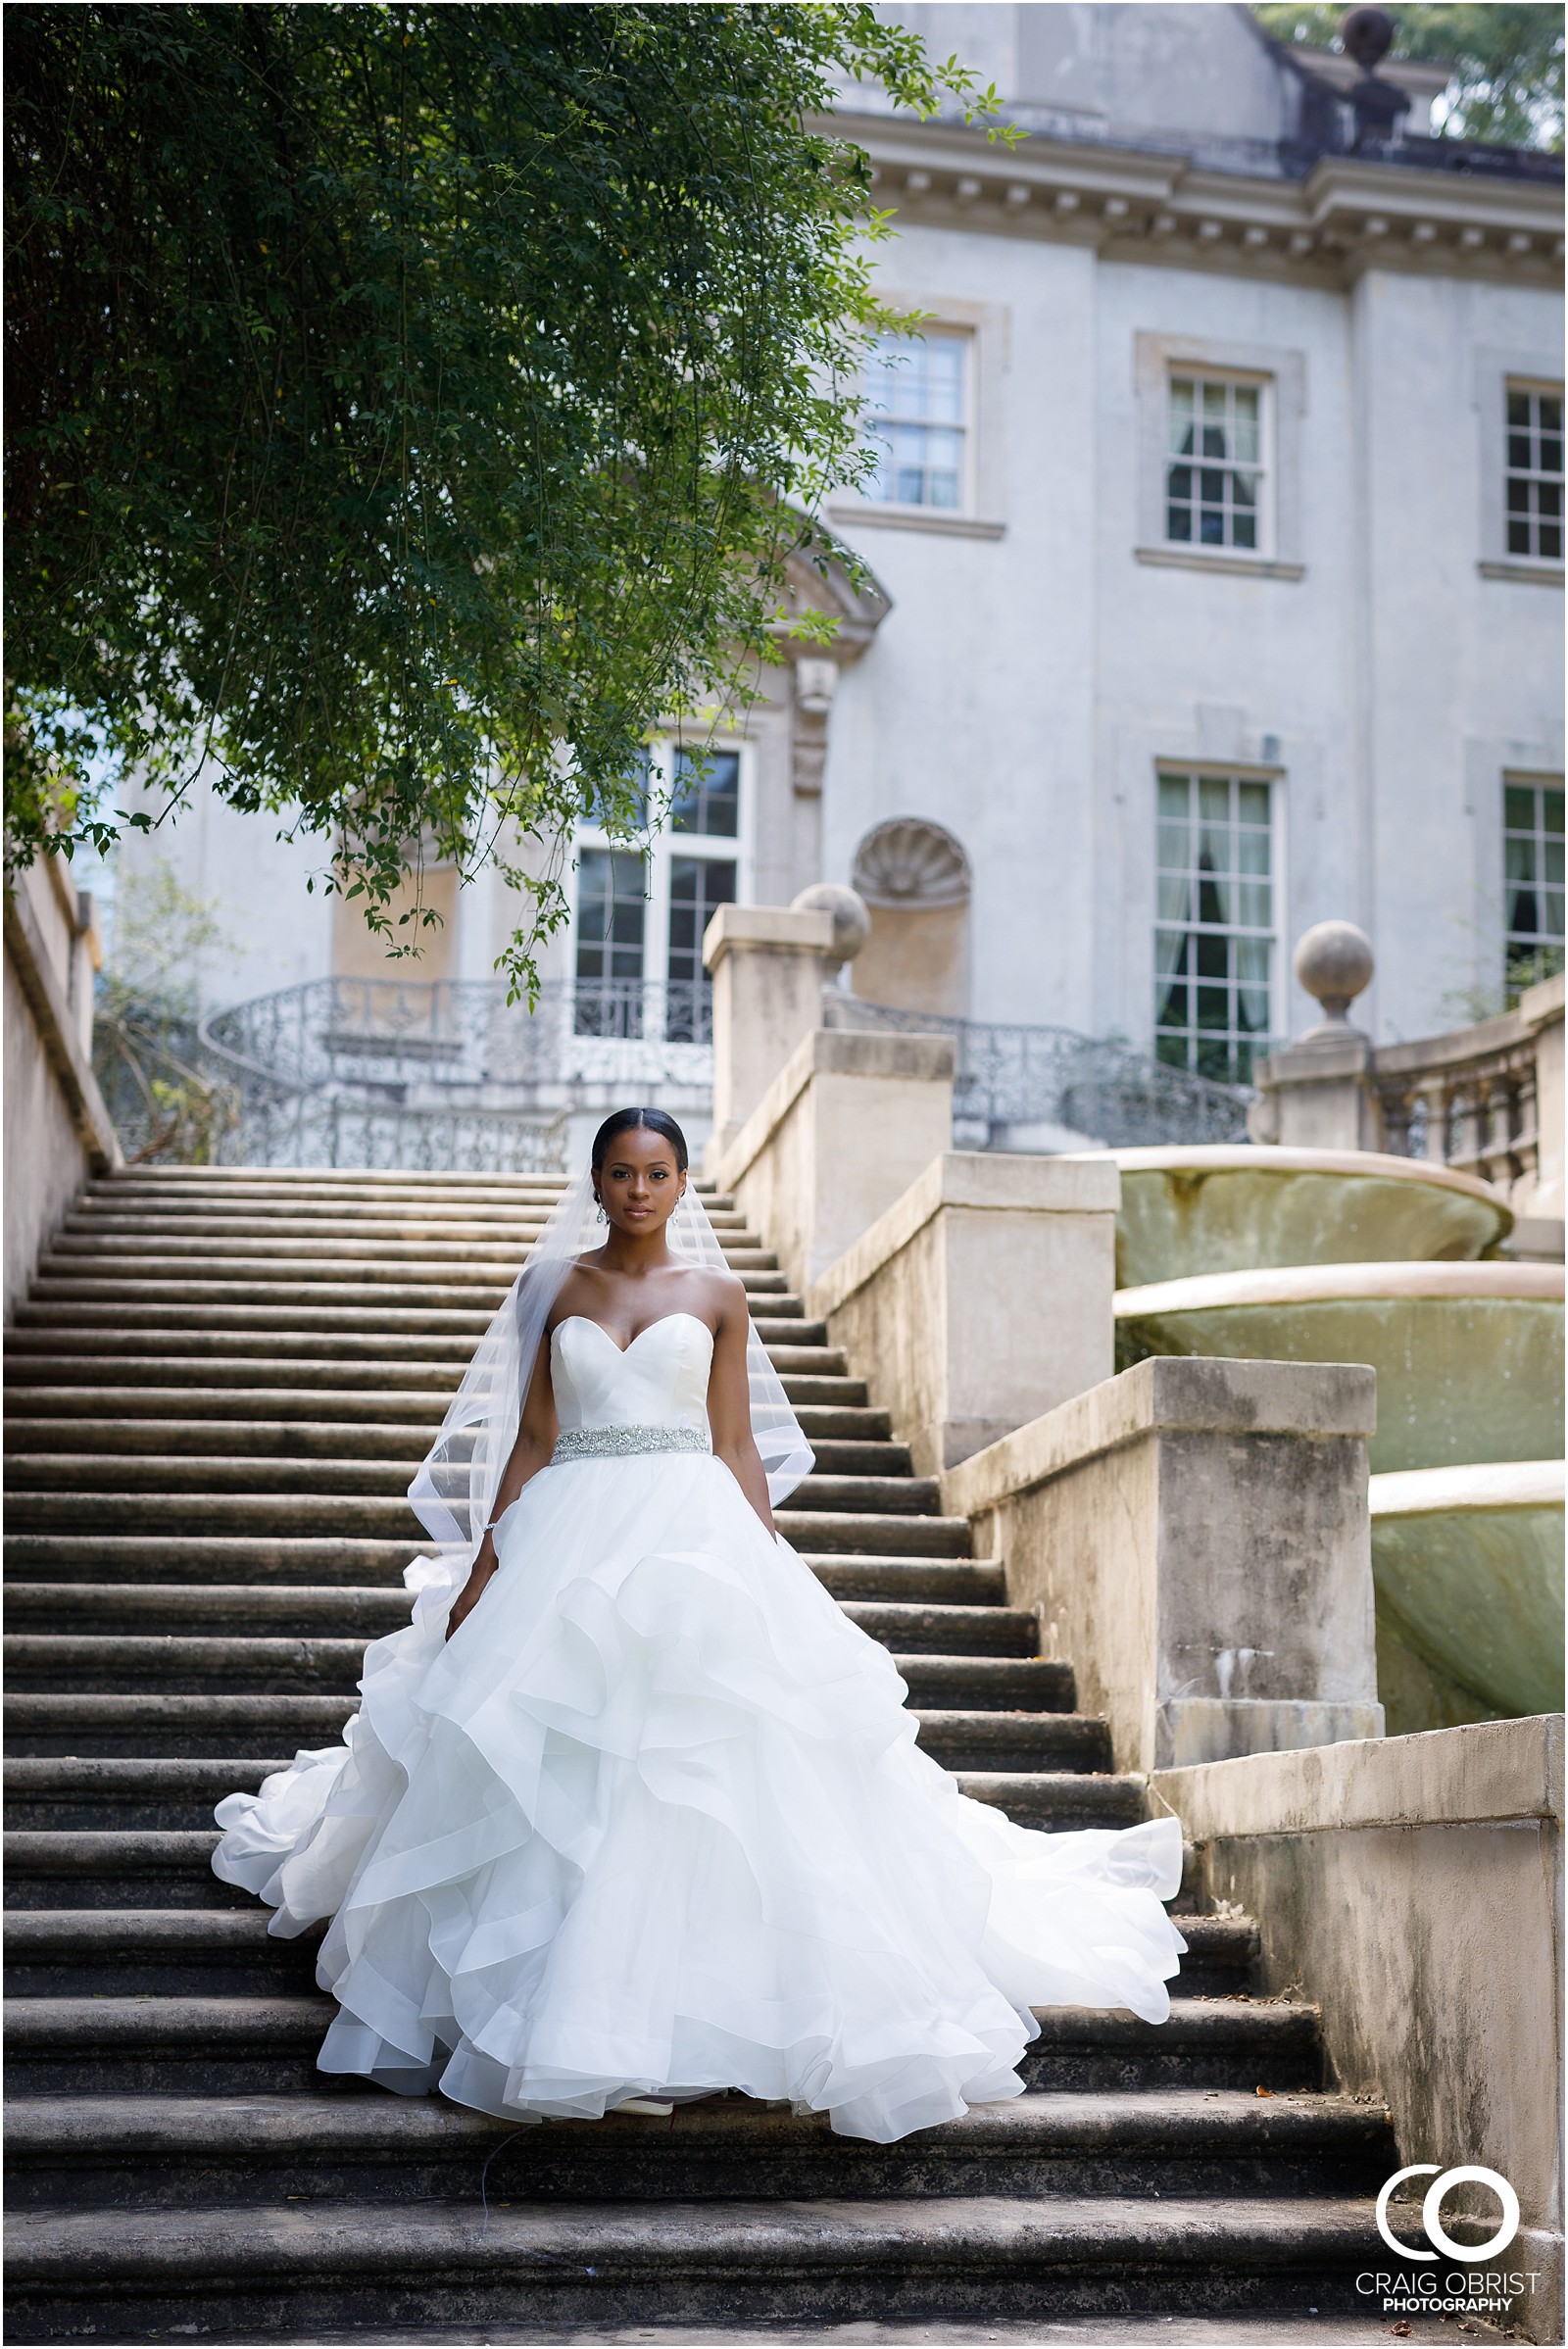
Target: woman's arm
{"x": 537, "y": 1431}
{"x": 729, "y": 1403}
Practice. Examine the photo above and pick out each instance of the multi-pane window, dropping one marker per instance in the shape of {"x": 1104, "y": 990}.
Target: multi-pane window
{"x": 916, "y": 401}
{"x": 1531, "y": 882}
{"x": 640, "y": 919}
{"x": 706, "y": 793}
{"x": 1215, "y": 476}
{"x": 698, "y": 887}
{"x": 1534, "y": 495}
{"x": 611, "y": 928}
{"x": 1215, "y": 936}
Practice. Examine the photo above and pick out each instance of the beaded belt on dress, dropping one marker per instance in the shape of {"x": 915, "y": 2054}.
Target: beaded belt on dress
{"x": 597, "y": 1443}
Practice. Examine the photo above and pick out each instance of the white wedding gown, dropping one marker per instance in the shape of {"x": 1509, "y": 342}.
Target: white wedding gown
{"x": 654, "y": 1822}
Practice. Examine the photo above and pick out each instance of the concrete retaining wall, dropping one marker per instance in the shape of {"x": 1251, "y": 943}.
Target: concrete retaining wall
{"x": 57, "y": 1129}
{"x": 1413, "y": 1887}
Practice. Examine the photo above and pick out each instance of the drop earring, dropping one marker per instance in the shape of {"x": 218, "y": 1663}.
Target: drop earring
{"x": 603, "y": 1217}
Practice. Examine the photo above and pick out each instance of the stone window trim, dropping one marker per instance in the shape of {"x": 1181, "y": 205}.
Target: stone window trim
{"x": 1497, "y": 371}
{"x": 1159, "y": 357}
{"x": 988, "y": 330}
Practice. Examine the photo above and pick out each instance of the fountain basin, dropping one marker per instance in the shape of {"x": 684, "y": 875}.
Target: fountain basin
{"x": 1467, "y": 1564}
{"x": 1468, "y": 1357}
{"x": 1227, "y": 1207}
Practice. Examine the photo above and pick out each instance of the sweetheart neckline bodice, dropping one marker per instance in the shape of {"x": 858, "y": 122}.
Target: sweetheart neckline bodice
{"x": 632, "y": 1384}
{"x": 638, "y": 1334}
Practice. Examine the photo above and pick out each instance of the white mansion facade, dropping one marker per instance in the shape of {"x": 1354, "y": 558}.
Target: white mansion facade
{"x": 1218, "y": 565}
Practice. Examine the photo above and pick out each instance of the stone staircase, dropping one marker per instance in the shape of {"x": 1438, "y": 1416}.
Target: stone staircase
{"x": 218, "y": 1390}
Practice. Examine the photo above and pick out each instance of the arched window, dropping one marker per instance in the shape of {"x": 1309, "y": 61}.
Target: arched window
{"x": 915, "y": 877}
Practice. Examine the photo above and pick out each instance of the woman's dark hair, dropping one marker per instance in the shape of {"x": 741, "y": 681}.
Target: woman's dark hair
{"x": 656, "y": 1121}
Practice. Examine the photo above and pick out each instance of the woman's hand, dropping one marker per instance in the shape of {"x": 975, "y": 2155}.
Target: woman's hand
{"x": 474, "y": 1589}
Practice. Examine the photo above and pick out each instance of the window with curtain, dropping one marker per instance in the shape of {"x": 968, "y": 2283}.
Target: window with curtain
{"x": 1214, "y": 934}
{"x": 1532, "y": 881}
{"x": 1216, "y": 480}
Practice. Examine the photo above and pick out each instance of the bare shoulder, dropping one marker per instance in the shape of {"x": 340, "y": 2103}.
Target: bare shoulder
{"x": 723, "y": 1292}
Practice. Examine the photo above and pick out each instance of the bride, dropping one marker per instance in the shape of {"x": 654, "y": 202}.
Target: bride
{"x": 631, "y": 1812}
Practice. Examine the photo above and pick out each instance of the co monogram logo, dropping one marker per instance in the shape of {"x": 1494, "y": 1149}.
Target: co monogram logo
{"x": 1432, "y": 2212}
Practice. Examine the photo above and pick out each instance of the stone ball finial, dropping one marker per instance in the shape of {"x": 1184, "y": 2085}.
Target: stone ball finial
{"x": 1366, "y": 34}
{"x": 1334, "y": 962}
{"x": 851, "y": 919}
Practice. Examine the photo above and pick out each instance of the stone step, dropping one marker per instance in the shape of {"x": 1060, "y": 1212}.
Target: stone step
{"x": 197, "y": 1558}
{"x": 813, "y": 1531}
{"x": 308, "y": 2272}
{"x": 1231, "y": 2040}
{"x": 985, "y": 1741}
{"x": 460, "y": 1285}
{"x": 353, "y": 1182}
{"x": 317, "y": 1512}
{"x": 203, "y": 1723}
{"x": 377, "y": 1441}
{"x": 129, "y": 1791}
{"x": 122, "y": 1664}
{"x": 293, "y": 1188}
{"x": 108, "y": 1868}
{"x": 140, "y": 1952}
{"x": 59, "y": 1414}
{"x": 191, "y": 1230}
{"x": 231, "y": 1358}
{"x": 78, "y": 1609}
{"x": 130, "y": 1953}
{"x": 155, "y": 1726}
{"x": 369, "y": 1328}
{"x": 814, "y": 1372}
{"x": 1048, "y": 1799}
{"x": 210, "y": 1270}
{"x": 237, "y": 2046}
{"x": 127, "y": 1794}
{"x": 175, "y": 2153}
{"x": 228, "y": 1442}
{"x": 133, "y": 1559}
{"x": 329, "y": 1497}
{"x": 247, "y": 1383}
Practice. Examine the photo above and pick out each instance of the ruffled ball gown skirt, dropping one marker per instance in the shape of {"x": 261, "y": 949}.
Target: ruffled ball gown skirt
{"x": 654, "y": 1822}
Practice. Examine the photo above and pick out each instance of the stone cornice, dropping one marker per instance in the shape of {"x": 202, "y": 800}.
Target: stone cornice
{"x": 1348, "y": 216}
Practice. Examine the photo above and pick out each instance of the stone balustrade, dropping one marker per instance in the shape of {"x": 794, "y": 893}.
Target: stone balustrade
{"x": 1486, "y": 1100}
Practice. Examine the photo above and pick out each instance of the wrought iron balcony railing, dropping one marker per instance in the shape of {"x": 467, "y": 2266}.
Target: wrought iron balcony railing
{"x": 1011, "y": 1082}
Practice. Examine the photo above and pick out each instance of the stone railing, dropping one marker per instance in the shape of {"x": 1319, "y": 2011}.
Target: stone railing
{"x": 1471, "y": 1100}
{"x": 1487, "y": 1100}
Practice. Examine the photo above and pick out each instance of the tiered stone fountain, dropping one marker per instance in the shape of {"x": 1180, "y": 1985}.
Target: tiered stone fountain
{"x": 1353, "y": 1256}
